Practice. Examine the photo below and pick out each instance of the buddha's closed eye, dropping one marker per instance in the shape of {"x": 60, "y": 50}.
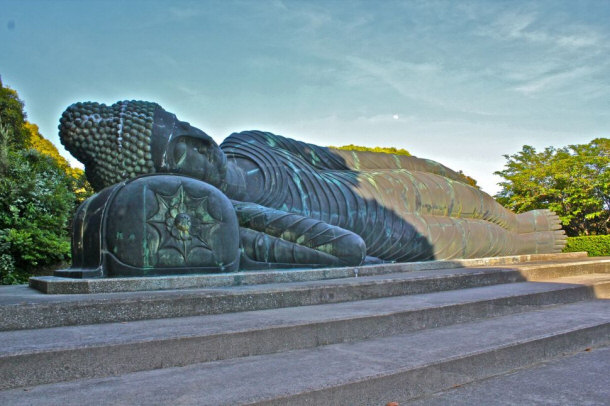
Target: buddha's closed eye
{"x": 180, "y": 152}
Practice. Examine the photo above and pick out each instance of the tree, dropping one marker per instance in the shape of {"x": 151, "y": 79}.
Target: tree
{"x": 39, "y": 193}
{"x": 573, "y": 181}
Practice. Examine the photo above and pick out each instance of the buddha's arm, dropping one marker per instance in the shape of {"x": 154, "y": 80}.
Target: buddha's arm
{"x": 275, "y": 237}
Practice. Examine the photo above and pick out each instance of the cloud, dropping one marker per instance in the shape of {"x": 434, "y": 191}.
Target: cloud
{"x": 308, "y": 18}
{"x": 529, "y": 28}
{"x": 512, "y": 25}
{"x": 430, "y": 85}
{"x": 555, "y": 80}
{"x": 392, "y": 72}
{"x": 189, "y": 91}
{"x": 279, "y": 4}
{"x": 545, "y": 51}
{"x": 579, "y": 41}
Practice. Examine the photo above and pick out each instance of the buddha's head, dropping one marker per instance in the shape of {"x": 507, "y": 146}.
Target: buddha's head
{"x": 132, "y": 138}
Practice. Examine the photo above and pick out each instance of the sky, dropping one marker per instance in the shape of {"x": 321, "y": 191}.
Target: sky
{"x": 459, "y": 82}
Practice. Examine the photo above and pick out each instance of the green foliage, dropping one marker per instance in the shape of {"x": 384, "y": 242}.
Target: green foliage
{"x": 574, "y": 182}
{"x": 5, "y": 136}
{"x": 594, "y": 245}
{"x": 13, "y": 117}
{"x": 45, "y": 147}
{"x": 386, "y": 150}
{"x": 79, "y": 184}
{"x": 467, "y": 179}
{"x": 39, "y": 193}
{"x": 36, "y": 201}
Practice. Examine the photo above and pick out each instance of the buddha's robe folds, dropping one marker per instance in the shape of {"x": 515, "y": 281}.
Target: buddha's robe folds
{"x": 405, "y": 208}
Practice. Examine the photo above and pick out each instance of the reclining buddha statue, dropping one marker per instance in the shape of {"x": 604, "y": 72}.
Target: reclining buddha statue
{"x": 289, "y": 203}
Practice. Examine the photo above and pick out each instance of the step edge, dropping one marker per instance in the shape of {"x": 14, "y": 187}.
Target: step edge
{"x": 60, "y": 285}
{"x": 586, "y": 288}
{"x": 591, "y": 339}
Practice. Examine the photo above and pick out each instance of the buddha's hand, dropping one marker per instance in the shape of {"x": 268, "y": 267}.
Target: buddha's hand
{"x": 271, "y": 238}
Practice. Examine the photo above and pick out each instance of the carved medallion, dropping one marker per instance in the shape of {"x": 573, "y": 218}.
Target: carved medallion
{"x": 183, "y": 222}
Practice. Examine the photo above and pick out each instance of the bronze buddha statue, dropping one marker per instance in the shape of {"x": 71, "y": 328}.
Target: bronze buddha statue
{"x": 299, "y": 204}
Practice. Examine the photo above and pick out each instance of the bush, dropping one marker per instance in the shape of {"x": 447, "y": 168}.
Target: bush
{"x": 36, "y": 202}
{"x": 386, "y": 150}
{"x": 594, "y": 245}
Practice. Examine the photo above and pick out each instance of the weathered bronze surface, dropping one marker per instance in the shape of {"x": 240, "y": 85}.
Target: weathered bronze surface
{"x": 292, "y": 204}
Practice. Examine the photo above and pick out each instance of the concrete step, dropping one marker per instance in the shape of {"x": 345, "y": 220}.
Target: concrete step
{"x": 65, "y": 353}
{"x": 26, "y": 308}
{"x": 543, "y": 270}
{"x": 577, "y": 379}
{"x": 371, "y": 372}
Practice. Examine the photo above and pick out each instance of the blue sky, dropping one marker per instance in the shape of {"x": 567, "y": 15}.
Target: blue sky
{"x": 455, "y": 81}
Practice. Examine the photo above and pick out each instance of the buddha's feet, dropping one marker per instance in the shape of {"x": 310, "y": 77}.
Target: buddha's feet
{"x": 542, "y": 242}
{"x": 540, "y": 232}
{"x": 538, "y": 220}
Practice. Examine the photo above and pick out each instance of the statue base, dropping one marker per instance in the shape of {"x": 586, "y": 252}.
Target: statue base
{"x": 69, "y": 285}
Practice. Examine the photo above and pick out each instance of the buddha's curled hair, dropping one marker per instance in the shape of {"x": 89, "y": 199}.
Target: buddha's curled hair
{"x": 113, "y": 142}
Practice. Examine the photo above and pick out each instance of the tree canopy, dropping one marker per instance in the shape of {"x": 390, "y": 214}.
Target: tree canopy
{"x": 573, "y": 181}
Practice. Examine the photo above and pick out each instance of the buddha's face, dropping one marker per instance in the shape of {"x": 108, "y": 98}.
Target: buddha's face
{"x": 189, "y": 151}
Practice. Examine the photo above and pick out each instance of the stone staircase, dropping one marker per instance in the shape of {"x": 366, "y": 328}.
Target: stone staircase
{"x": 351, "y": 336}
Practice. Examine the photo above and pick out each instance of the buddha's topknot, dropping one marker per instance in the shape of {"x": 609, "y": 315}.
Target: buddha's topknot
{"x": 113, "y": 142}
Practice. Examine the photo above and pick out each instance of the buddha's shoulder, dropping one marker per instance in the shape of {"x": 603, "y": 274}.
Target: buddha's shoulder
{"x": 265, "y": 139}
{"x": 253, "y": 136}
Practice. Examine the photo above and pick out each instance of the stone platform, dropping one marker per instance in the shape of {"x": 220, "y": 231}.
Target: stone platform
{"x": 400, "y": 332}
{"x": 59, "y": 285}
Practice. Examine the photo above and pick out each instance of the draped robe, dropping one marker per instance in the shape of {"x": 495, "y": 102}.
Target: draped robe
{"x": 405, "y": 208}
